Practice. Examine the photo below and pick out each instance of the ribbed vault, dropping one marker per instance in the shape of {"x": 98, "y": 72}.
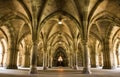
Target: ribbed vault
{"x": 85, "y": 29}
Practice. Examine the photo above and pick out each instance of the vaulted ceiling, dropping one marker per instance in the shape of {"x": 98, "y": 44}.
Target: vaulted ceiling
{"x": 60, "y": 21}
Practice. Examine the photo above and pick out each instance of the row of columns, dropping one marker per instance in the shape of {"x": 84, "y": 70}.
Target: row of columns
{"x": 12, "y": 52}
{"x": 48, "y": 60}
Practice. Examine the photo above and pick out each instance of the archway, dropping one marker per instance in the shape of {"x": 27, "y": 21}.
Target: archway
{"x": 60, "y": 58}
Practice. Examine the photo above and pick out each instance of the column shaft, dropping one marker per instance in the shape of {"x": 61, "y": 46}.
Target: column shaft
{"x": 94, "y": 59}
{"x": 33, "y": 68}
{"x": 12, "y": 58}
{"x": 107, "y": 63}
{"x": 86, "y": 59}
{"x": 26, "y": 60}
{"x": 45, "y": 60}
{"x": 76, "y": 60}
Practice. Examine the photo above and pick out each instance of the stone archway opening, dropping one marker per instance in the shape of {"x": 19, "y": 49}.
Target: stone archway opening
{"x": 60, "y": 58}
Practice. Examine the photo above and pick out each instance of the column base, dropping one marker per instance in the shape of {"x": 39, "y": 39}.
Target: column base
{"x": 76, "y": 67}
{"x": 95, "y": 66}
{"x": 108, "y": 67}
{"x": 50, "y": 67}
{"x": 44, "y": 68}
{"x": 1, "y": 64}
{"x": 25, "y": 66}
{"x": 71, "y": 66}
{"x": 118, "y": 66}
{"x": 12, "y": 67}
{"x": 33, "y": 70}
{"x": 86, "y": 71}
{"x": 114, "y": 67}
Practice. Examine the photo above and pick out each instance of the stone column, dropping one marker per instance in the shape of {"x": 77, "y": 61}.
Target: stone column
{"x": 86, "y": 58}
{"x": 75, "y": 47}
{"x": 12, "y": 58}
{"x": 50, "y": 57}
{"x": 71, "y": 61}
{"x": 118, "y": 60}
{"x": 26, "y": 60}
{"x": 71, "y": 57}
{"x": 118, "y": 50}
{"x": 33, "y": 65}
{"x": 2, "y": 60}
{"x": 3, "y": 53}
{"x": 76, "y": 60}
{"x": 94, "y": 58}
{"x": 101, "y": 59}
{"x": 94, "y": 61}
{"x": 118, "y": 55}
{"x": 44, "y": 59}
{"x": 19, "y": 60}
{"x": 114, "y": 59}
{"x": 51, "y": 62}
{"x": 107, "y": 63}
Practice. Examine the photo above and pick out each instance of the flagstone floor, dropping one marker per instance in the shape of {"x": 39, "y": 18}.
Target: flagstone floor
{"x": 59, "y": 72}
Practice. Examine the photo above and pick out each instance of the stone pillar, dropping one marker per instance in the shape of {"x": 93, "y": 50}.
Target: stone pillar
{"x": 47, "y": 60}
{"x": 94, "y": 58}
{"x": 75, "y": 47}
{"x": 114, "y": 59}
{"x": 94, "y": 61}
{"x": 26, "y": 60}
{"x": 33, "y": 65}
{"x": 118, "y": 55}
{"x": 86, "y": 58}
{"x": 118, "y": 50}
{"x": 19, "y": 60}
{"x": 101, "y": 59}
{"x": 118, "y": 60}
{"x": 50, "y": 57}
{"x": 76, "y": 60}
{"x": 44, "y": 60}
{"x": 71, "y": 57}
{"x": 70, "y": 65}
{"x": 12, "y": 58}
{"x": 107, "y": 63}
{"x": 3, "y": 53}
{"x": 2, "y": 60}
{"x": 71, "y": 61}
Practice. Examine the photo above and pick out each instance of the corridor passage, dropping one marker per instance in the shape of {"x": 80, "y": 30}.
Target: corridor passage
{"x": 59, "y": 72}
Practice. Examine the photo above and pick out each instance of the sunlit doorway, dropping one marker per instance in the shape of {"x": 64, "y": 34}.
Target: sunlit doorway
{"x": 60, "y": 58}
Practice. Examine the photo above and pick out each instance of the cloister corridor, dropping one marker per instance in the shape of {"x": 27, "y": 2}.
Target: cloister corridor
{"x": 60, "y": 38}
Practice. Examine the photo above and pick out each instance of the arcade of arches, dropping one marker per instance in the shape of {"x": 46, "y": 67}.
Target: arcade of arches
{"x": 65, "y": 33}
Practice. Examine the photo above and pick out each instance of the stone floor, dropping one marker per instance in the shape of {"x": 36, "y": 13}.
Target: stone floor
{"x": 59, "y": 72}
